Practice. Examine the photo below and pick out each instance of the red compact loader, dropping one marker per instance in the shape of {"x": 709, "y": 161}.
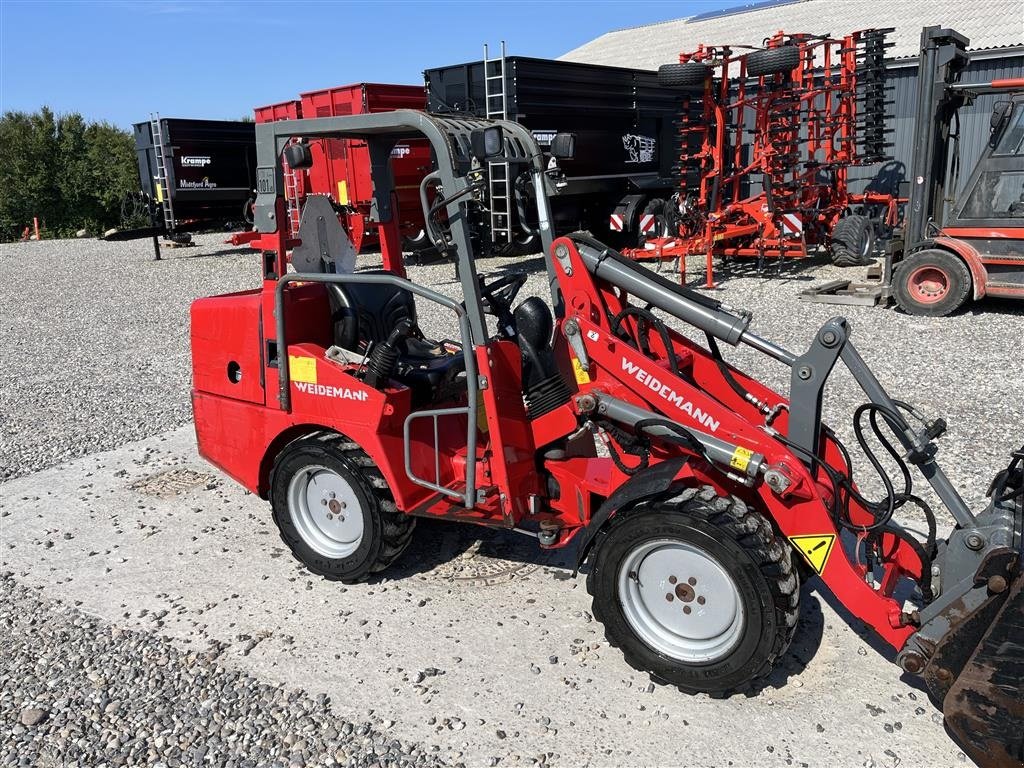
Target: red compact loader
{"x": 696, "y": 498}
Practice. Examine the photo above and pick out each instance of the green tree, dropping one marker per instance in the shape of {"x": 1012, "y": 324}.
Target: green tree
{"x": 28, "y": 170}
{"x": 67, "y": 172}
{"x": 113, "y": 169}
{"x": 73, "y": 182}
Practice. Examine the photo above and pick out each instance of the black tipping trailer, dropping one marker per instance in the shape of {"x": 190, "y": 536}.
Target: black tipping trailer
{"x": 207, "y": 174}
{"x": 622, "y": 118}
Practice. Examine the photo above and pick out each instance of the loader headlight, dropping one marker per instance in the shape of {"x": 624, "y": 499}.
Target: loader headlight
{"x": 488, "y": 142}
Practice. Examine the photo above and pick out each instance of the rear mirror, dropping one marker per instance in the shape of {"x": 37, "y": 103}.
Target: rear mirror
{"x": 487, "y": 142}
{"x": 297, "y": 155}
{"x": 563, "y": 146}
{"x": 1000, "y": 112}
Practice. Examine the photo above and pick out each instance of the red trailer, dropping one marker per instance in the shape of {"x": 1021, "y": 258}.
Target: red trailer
{"x": 345, "y": 175}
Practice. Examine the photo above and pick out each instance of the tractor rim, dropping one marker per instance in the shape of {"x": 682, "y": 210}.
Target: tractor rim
{"x": 326, "y": 511}
{"x": 928, "y": 284}
{"x": 680, "y": 601}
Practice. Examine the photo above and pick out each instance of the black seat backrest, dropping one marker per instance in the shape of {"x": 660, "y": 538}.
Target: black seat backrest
{"x": 379, "y": 308}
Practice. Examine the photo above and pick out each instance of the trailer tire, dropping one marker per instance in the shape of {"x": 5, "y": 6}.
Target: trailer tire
{"x": 687, "y": 74}
{"x": 932, "y": 283}
{"x": 773, "y": 61}
{"x": 852, "y": 241}
{"x": 695, "y": 549}
{"x": 328, "y": 538}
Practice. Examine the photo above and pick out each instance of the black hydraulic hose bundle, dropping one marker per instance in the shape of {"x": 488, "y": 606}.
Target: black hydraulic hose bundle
{"x": 640, "y": 342}
{"x": 842, "y": 485}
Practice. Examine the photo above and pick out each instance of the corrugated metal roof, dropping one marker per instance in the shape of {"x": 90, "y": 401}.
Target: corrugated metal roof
{"x": 988, "y": 23}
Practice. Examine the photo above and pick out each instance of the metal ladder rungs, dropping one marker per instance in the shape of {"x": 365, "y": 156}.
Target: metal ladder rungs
{"x": 499, "y": 183}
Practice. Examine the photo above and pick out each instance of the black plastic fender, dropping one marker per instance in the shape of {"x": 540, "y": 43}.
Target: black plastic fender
{"x": 649, "y": 482}
{"x": 629, "y": 208}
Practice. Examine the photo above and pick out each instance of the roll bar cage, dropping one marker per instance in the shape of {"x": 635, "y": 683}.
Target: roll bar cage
{"x": 449, "y": 139}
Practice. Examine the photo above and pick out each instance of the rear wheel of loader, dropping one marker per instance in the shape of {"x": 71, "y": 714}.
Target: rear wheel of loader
{"x": 334, "y": 510}
{"x": 696, "y": 590}
{"x": 932, "y": 283}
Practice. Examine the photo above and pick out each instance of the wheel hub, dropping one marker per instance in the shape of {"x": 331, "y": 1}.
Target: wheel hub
{"x": 325, "y": 511}
{"x": 928, "y": 284}
{"x": 681, "y": 601}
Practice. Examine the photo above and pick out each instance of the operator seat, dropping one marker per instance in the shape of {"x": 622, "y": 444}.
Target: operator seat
{"x": 366, "y": 313}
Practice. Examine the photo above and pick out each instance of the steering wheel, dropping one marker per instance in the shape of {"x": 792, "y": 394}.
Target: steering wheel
{"x": 497, "y": 296}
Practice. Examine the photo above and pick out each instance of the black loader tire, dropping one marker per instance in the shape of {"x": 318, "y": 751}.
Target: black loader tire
{"x": 386, "y": 531}
{"x": 931, "y": 283}
{"x": 744, "y": 545}
{"x": 852, "y": 241}
{"x": 688, "y": 74}
{"x": 773, "y": 61}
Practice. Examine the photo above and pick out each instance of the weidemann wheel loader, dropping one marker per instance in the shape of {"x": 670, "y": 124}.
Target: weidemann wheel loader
{"x": 696, "y": 498}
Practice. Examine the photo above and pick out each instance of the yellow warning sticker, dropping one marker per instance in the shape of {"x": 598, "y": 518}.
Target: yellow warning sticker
{"x": 815, "y": 549}
{"x": 302, "y": 369}
{"x": 582, "y": 377}
{"x": 343, "y": 192}
{"x": 740, "y": 458}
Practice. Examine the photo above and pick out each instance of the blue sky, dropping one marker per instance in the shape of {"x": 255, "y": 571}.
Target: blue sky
{"x": 120, "y": 60}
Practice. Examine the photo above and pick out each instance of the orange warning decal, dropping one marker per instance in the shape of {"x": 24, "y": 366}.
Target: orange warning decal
{"x": 815, "y": 548}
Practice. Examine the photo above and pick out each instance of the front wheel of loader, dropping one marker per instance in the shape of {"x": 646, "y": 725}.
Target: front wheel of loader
{"x": 334, "y": 510}
{"x": 696, "y": 590}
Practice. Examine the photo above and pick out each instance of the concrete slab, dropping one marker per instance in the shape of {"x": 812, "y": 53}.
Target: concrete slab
{"x": 474, "y": 641}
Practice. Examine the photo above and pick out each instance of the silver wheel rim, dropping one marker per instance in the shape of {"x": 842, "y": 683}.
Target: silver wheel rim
{"x": 680, "y": 601}
{"x": 326, "y": 511}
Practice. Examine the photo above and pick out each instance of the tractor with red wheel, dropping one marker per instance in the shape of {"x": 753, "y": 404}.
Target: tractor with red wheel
{"x": 695, "y": 497}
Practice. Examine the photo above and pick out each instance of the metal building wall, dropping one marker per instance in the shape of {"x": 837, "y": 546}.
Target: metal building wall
{"x": 974, "y": 122}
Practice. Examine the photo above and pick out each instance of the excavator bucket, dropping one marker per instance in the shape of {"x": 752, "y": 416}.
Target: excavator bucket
{"x": 984, "y": 709}
{"x": 975, "y": 671}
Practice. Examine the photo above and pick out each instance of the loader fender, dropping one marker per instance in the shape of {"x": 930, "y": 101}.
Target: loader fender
{"x": 649, "y": 482}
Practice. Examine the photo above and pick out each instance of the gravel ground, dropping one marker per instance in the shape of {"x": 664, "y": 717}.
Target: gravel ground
{"x": 76, "y": 691}
{"x": 95, "y": 342}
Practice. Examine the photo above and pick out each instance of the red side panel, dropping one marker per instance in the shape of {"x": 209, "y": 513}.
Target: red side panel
{"x": 226, "y": 355}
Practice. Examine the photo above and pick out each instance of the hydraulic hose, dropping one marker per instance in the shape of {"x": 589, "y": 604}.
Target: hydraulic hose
{"x": 428, "y": 223}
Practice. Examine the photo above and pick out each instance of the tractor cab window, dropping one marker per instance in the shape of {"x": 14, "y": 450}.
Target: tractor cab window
{"x": 998, "y": 194}
{"x": 1012, "y": 140}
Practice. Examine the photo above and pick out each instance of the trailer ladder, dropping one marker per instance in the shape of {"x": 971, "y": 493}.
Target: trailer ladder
{"x": 164, "y": 192}
{"x": 499, "y": 181}
{"x": 292, "y": 198}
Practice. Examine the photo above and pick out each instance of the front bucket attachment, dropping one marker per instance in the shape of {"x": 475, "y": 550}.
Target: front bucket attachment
{"x": 984, "y": 708}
